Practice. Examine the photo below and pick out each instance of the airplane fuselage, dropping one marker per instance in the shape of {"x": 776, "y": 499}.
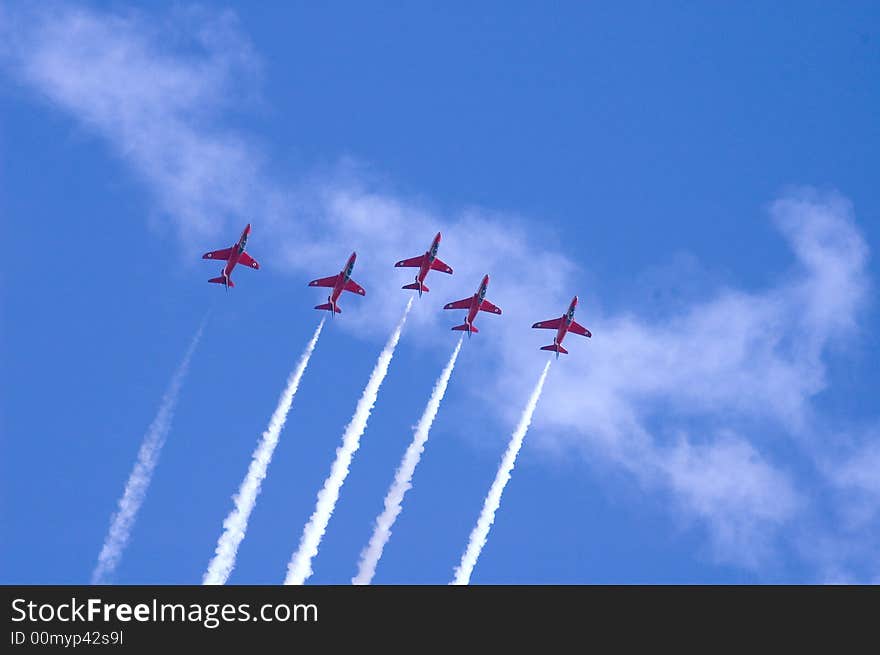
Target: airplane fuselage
{"x": 476, "y": 301}
{"x": 235, "y": 255}
{"x": 430, "y": 256}
{"x": 567, "y": 320}
{"x": 344, "y": 277}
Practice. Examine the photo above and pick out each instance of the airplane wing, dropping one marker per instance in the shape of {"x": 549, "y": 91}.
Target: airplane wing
{"x": 438, "y": 265}
{"x": 549, "y": 325}
{"x": 246, "y": 260}
{"x": 577, "y": 328}
{"x": 218, "y": 254}
{"x": 325, "y": 281}
{"x": 464, "y": 303}
{"x": 486, "y": 306}
{"x": 412, "y": 262}
{"x": 354, "y": 287}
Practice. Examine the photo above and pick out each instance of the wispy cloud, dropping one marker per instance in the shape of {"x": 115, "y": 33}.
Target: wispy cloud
{"x": 728, "y": 484}
{"x": 156, "y": 104}
{"x": 657, "y": 396}
{"x": 737, "y": 361}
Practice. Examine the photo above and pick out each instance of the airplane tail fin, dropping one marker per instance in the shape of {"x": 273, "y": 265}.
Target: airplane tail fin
{"x": 464, "y": 328}
{"x": 415, "y": 287}
{"x": 327, "y": 307}
{"x": 222, "y": 280}
{"x": 555, "y": 347}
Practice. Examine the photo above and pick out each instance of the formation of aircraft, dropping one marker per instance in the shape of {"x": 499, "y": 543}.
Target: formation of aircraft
{"x": 233, "y": 255}
{"x": 426, "y": 262}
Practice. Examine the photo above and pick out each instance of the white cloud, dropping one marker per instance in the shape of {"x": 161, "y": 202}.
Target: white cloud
{"x": 735, "y": 490}
{"x": 739, "y": 358}
{"x": 861, "y": 471}
{"x": 736, "y": 362}
{"x": 852, "y": 465}
{"x": 153, "y": 90}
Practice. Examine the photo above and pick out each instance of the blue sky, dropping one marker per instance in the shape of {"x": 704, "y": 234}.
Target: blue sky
{"x": 703, "y": 177}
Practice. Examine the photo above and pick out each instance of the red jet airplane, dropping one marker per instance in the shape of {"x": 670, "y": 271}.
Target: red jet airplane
{"x": 563, "y": 325}
{"x": 425, "y": 263}
{"x": 234, "y": 255}
{"x": 340, "y": 282}
{"x": 474, "y": 304}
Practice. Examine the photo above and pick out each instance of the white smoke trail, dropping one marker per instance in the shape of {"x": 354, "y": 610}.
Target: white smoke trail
{"x": 403, "y": 478}
{"x": 139, "y": 480}
{"x": 493, "y": 500}
{"x": 236, "y": 522}
{"x": 300, "y": 567}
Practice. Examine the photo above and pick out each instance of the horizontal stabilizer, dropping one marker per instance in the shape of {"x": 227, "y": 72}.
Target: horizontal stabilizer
{"x": 464, "y": 328}
{"x": 415, "y": 287}
{"x": 222, "y": 280}
{"x": 555, "y": 348}
{"x": 327, "y": 307}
